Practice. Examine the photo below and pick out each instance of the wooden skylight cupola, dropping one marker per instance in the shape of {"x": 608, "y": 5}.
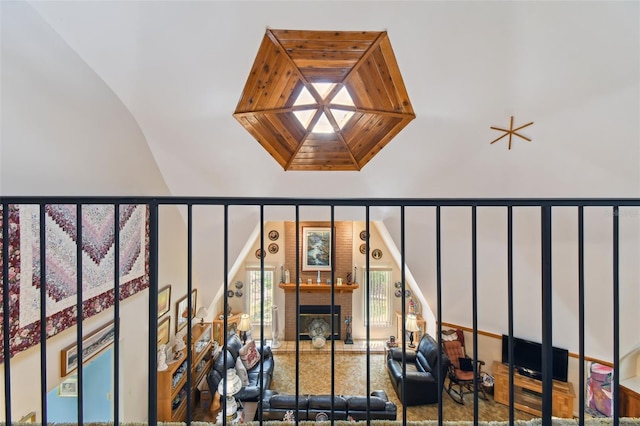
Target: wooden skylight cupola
{"x": 324, "y": 100}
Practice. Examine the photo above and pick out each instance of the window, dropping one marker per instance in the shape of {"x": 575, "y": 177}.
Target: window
{"x": 379, "y": 297}
{"x": 254, "y": 297}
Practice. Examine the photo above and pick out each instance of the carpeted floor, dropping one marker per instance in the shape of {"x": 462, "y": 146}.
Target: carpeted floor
{"x": 351, "y": 379}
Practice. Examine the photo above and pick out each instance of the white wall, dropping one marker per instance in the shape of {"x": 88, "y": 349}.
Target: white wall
{"x": 492, "y": 272}
{"x": 59, "y": 116}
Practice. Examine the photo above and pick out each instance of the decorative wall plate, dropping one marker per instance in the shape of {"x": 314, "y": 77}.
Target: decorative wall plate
{"x": 376, "y": 254}
{"x": 407, "y": 293}
{"x": 273, "y": 248}
{"x": 259, "y": 253}
{"x": 398, "y": 284}
{"x": 363, "y": 248}
{"x": 238, "y": 293}
{"x": 238, "y": 284}
{"x": 230, "y": 293}
{"x": 363, "y": 235}
{"x": 274, "y": 235}
{"x": 399, "y": 292}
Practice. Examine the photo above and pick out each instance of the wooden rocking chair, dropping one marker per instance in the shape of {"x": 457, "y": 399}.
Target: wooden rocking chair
{"x": 461, "y": 374}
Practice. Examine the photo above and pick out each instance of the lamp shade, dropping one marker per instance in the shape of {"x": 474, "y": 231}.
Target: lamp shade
{"x": 412, "y": 323}
{"x": 245, "y": 323}
{"x": 202, "y": 313}
{"x": 234, "y": 384}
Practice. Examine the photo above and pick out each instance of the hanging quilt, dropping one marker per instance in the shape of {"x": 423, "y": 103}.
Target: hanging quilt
{"x": 61, "y": 254}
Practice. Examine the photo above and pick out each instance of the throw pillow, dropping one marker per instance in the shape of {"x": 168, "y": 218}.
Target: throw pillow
{"x": 249, "y": 355}
{"x": 215, "y": 404}
{"x": 241, "y": 371}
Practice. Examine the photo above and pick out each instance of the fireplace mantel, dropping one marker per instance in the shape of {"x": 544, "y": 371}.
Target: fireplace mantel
{"x": 318, "y": 288}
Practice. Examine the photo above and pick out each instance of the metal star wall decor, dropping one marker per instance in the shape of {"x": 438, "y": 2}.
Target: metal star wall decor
{"x": 511, "y": 131}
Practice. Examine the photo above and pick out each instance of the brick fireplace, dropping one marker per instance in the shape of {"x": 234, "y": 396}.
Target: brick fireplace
{"x": 313, "y": 294}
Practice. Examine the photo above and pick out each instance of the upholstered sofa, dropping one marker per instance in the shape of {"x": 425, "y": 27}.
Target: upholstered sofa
{"x": 250, "y": 392}
{"x": 422, "y": 371}
{"x": 275, "y": 406}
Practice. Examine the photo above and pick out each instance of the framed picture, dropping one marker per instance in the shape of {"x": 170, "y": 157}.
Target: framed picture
{"x": 68, "y": 388}
{"x": 164, "y": 331}
{"x": 316, "y": 249}
{"x": 92, "y": 345}
{"x": 164, "y": 300}
{"x": 29, "y": 418}
{"x": 182, "y": 316}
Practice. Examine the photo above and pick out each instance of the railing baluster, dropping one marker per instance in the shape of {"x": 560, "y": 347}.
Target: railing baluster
{"x": 79, "y": 310}
{"x": 43, "y": 313}
{"x": 546, "y": 209}
{"x": 152, "y": 344}
{"x": 5, "y": 313}
{"x": 547, "y": 315}
{"x": 116, "y": 313}
{"x": 581, "y": 312}
{"x": 439, "y": 309}
{"x": 616, "y": 316}
{"x": 510, "y": 309}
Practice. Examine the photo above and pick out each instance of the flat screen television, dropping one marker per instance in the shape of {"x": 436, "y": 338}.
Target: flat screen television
{"x": 527, "y": 358}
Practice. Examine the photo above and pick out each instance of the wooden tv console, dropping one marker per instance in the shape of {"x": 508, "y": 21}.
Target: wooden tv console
{"x": 527, "y": 393}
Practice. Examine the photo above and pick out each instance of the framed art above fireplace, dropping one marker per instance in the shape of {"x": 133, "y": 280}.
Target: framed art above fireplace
{"x": 316, "y": 249}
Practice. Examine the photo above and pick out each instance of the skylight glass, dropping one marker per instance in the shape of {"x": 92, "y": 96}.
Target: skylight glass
{"x": 305, "y": 116}
{"x": 305, "y": 98}
{"x": 323, "y": 88}
{"x": 341, "y": 116}
{"x": 343, "y": 98}
{"x": 323, "y": 125}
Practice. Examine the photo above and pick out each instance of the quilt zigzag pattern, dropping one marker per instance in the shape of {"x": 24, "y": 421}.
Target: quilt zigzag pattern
{"x": 98, "y": 248}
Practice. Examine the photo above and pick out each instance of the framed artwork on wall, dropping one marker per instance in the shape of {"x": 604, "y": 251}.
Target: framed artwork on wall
{"x": 92, "y": 345}
{"x": 182, "y": 306}
{"x": 316, "y": 249}
{"x": 164, "y": 331}
{"x": 68, "y": 388}
{"x": 28, "y": 418}
{"x": 164, "y": 300}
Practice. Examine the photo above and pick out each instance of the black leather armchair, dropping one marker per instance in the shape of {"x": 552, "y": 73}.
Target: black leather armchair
{"x": 422, "y": 371}
{"x": 250, "y": 392}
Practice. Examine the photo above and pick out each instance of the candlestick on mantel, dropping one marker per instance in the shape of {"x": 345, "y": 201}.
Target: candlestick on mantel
{"x": 319, "y": 277}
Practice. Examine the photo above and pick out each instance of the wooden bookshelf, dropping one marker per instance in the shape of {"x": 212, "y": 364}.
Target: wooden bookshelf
{"x": 170, "y": 409}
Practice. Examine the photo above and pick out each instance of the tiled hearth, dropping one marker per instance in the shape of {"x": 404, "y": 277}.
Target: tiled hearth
{"x": 359, "y": 347}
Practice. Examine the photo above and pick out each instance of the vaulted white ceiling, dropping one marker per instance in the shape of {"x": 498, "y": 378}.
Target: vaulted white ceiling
{"x": 180, "y": 67}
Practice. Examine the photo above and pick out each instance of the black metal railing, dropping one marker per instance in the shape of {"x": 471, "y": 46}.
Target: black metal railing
{"x": 545, "y": 206}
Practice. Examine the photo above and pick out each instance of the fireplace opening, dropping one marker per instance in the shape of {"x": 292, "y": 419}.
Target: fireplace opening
{"x": 319, "y": 316}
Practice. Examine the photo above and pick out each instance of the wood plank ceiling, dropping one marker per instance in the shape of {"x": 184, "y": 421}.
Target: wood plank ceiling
{"x": 289, "y": 62}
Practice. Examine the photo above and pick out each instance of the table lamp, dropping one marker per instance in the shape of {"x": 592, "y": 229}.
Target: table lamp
{"x": 244, "y": 326}
{"x": 233, "y": 386}
{"x": 202, "y": 314}
{"x": 411, "y": 325}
